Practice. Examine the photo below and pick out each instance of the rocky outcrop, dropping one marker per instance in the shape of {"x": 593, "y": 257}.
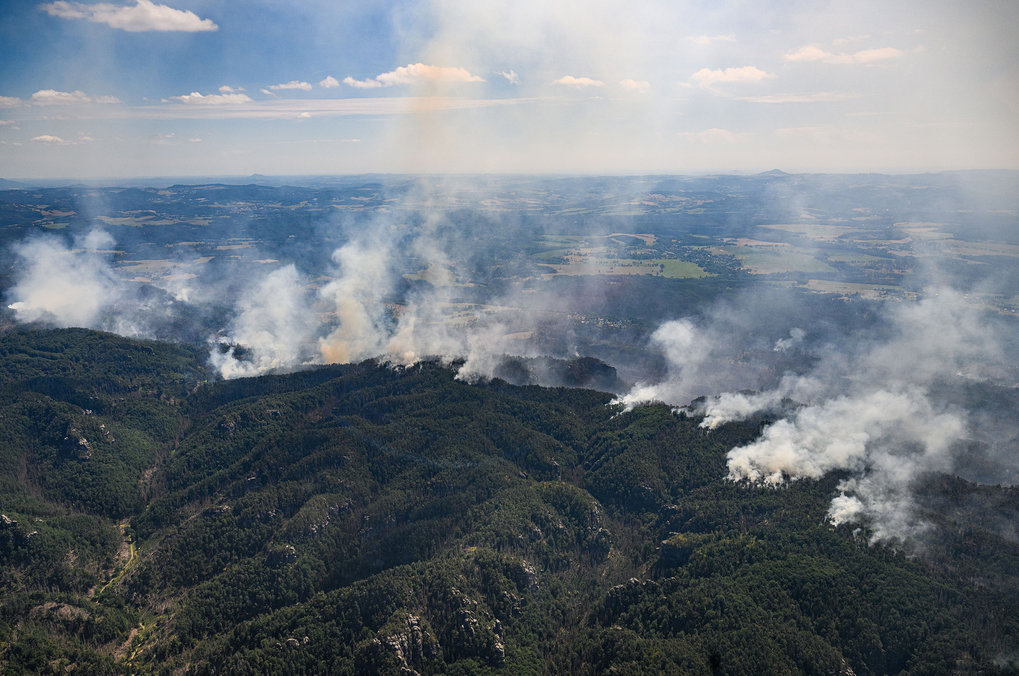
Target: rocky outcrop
{"x": 403, "y": 646}
{"x": 75, "y": 445}
{"x": 471, "y": 635}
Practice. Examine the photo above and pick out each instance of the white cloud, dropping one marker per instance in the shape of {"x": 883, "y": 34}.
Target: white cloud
{"x": 511, "y": 76}
{"x": 708, "y": 39}
{"x": 329, "y": 82}
{"x": 579, "y": 82}
{"x": 640, "y": 86}
{"x": 293, "y": 84}
{"x": 809, "y": 53}
{"x": 416, "y": 73}
{"x": 227, "y": 89}
{"x": 212, "y": 99}
{"x": 706, "y": 77}
{"x": 53, "y": 140}
{"x": 9, "y": 123}
{"x": 10, "y": 101}
{"x": 47, "y": 97}
{"x": 361, "y": 84}
{"x": 52, "y": 97}
{"x": 144, "y": 15}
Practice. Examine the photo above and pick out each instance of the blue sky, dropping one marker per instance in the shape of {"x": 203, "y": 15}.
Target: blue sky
{"x": 206, "y": 87}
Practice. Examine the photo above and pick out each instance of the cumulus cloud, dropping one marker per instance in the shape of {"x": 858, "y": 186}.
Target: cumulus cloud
{"x": 52, "y": 97}
{"x": 227, "y": 89}
{"x": 212, "y": 99}
{"x": 329, "y": 82}
{"x": 293, "y": 84}
{"x": 50, "y": 139}
{"x": 639, "y": 86}
{"x": 46, "y": 97}
{"x": 416, "y": 74}
{"x": 144, "y": 15}
{"x": 511, "y": 76}
{"x": 809, "y": 53}
{"x": 578, "y": 82}
{"x": 706, "y": 77}
{"x": 10, "y": 101}
{"x": 362, "y": 84}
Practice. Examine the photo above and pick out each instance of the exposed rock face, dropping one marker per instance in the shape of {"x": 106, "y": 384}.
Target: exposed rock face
{"x": 624, "y": 595}
{"x": 76, "y": 445}
{"x": 10, "y": 534}
{"x": 414, "y": 645}
{"x": 471, "y": 637}
{"x": 227, "y": 427}
{"x": 403, "y": 646}
{"x": 600, "y": 544}
{"x": 525, "y": 576}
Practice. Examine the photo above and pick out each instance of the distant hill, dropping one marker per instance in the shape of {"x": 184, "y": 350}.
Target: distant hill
{"x": 365, "y": 519}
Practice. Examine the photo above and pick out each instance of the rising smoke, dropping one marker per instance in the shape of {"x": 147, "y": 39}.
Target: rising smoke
{"x": 389, "y": 292}
{"x": 73, "y": 283}
{"x": 873, "y": 404}
{"x": 884, "y": 396}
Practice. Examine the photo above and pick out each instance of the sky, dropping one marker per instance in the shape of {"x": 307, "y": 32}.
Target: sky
{"x": 219, "y": 87}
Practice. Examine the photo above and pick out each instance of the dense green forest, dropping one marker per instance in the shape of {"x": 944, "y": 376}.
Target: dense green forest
{"x": 368, "y": 519}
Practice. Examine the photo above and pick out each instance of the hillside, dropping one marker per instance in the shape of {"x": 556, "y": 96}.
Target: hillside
{"x": 366, "y": 519}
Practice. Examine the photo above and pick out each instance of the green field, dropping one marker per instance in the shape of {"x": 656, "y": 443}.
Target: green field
{"x": 761, "y": 262}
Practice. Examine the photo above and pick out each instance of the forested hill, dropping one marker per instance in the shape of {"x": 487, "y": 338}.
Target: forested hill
{"x": 362, "y": 519}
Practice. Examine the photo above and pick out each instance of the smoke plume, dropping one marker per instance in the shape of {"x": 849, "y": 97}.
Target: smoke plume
{"x": 274, "y": 327}
{"x": 875, "y": 404}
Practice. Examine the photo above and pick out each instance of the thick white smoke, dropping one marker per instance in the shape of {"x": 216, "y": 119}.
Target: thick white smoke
{"x": 65, "y": 286}
{"x": 275, "y": 326}
{"x": 391, "y": 294}
{"x": 868, "y": 407}
{"x": 355, "y": 299}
